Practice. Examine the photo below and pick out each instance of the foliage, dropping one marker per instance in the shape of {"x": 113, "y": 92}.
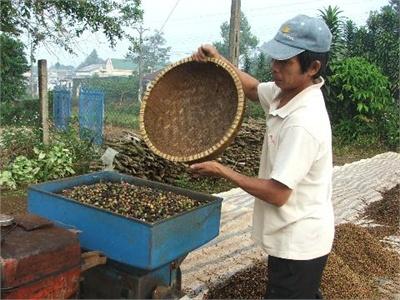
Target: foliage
{"x": 60, "y": 20}
{"x": 378, "y": 42}
{"x": 353, "y": 39}
{"x": 82, "y": 151}
{"x": 358, "y": 100}
{"x": 54, "y": 163}
{"x": 334, "y": 20}
{"x": 150, "y": 52}
{"x": 18, "y": 141}
{"x": 91, "y": 59}
{"x": 121, "y": 89}
{"x": 125, "y": 115}
{"x": 22, "y": 149}
{"x": 20, "y": 113}
{"x": 247, "y": 40}
{"x": 382, "y": 43}
{"x": 247, "y": 63}
{"x": 358, "y": 87}
{"x": 12, "y": 66}
{"x": 254, "y": 110}
{"x": 59, "y": 66}
{"x": 263, "y": 69}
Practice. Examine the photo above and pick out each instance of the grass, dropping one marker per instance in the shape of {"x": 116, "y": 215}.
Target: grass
{"x": 347, "y": 153}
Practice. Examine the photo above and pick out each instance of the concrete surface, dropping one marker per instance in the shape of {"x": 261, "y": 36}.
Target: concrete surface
{"x": 355, "y": 185}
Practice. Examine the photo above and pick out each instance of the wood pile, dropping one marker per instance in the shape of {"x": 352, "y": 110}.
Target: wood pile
{"x": 135, "y": 158}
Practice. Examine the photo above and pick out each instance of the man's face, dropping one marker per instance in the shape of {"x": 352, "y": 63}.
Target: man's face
{"x": 288, "y": 76}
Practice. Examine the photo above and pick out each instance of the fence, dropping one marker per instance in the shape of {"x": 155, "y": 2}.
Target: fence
{"x": 91, "y": 115}
{"x": 112, "y": 116}
{"x": 61, "y": 108}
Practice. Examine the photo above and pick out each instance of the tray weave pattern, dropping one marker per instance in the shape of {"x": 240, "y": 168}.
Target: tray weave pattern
{"x": 192, "y": 110}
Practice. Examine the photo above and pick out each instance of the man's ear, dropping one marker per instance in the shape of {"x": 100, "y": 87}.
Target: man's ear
{"x": 314, "y": 68}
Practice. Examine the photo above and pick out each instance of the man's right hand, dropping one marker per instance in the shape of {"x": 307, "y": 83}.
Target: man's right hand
{"x": 205, "y": 51}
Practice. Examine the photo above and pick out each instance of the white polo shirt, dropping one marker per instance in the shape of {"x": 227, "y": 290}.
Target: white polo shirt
{"x": 297, "y": 151}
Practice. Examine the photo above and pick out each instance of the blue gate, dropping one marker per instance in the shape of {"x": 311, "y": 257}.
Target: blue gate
{"x": 91, "y": 115}
{"x": 61, "y": 107}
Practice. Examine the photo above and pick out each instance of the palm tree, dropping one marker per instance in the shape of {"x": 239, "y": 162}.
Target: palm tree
{"x": 334, "y": 20}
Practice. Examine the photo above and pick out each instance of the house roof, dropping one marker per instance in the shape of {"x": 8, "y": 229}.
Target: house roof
{"x": 90, "y": 68}
{"x": 123, "y": 64}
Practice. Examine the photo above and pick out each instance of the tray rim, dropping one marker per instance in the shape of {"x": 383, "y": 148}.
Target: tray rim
{"x": 229, "y": 134}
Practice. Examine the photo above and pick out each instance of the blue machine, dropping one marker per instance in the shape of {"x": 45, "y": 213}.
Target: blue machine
{"x": 151, "y": 249}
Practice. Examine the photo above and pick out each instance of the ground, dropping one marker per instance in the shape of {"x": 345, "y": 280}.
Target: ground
{"x": 14, "y": 202}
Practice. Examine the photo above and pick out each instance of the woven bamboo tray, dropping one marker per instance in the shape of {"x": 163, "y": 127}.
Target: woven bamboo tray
{"x": 192, "y": 111}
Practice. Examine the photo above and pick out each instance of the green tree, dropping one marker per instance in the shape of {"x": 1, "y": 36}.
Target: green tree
{"x": 383, "y": 42}
{"x": 12, "y": 66}
{"x": 116, "y": 89}
{"x": 263, "y": 70}
{"x": 59, "y": 21}
{"x": 247, "y": 63}
{"x": 378, "y": 42}
{"x": 334, "y": 20}
{"x": 91, "y": 59}
{"x": 151, "y": 53}
{"x": 351, "y": 39}
{"x": 247, "y": 40}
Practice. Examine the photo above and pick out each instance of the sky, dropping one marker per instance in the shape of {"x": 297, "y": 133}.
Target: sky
{"x": 187, "y": 24}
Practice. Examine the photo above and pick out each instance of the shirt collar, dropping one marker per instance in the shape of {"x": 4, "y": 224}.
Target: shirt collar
{"x": 296, "y": 102}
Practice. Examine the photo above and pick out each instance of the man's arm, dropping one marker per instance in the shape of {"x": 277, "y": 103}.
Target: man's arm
{"x": 268, "y": 190}
{"x": 249, "y": 83}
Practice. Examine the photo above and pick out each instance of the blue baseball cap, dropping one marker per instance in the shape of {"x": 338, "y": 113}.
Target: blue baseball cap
{"x": 297, "y": 35}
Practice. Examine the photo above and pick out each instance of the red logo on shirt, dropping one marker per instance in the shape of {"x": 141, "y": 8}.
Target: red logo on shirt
{"x": 272, "y": 140}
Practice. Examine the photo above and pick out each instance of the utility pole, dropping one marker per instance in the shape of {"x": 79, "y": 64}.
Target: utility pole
{"x": 140, "y": 30}
{"x": 32, "y": 60}
{"x": 234, "y": 32}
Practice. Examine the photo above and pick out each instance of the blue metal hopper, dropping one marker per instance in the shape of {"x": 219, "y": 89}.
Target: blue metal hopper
{"x": 126, "y": 240}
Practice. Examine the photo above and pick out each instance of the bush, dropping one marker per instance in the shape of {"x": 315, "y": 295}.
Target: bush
{"x": 124, "y": 115}
{"x": 29, "y": 161}
{"x": 20, "y": 113}
{"x": 83, "y": 151}
{"x": 53, "y": 163}
{"x": 358, "y": 102}
{"x": 24, "y": 112}
{"x": 254, "y": 110}
{"x": 16, "y": 141}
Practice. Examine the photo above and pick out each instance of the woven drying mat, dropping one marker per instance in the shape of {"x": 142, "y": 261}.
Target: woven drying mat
{"x": 192, "y": 110}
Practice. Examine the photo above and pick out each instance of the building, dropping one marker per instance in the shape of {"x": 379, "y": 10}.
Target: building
{"x": 111, "y": 68}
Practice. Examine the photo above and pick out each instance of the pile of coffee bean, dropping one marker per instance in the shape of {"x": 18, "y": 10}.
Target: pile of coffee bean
{"x": 139, "y": 202}
{"x": 247, "y": 284}
{"x": 339, "y": 281}
{"x": 357, "y": 265}
{"x": 385, "y": 212}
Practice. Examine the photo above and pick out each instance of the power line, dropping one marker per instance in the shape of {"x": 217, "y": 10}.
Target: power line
{"x": 169, "y": 15}
{"x": 257, "y": 10}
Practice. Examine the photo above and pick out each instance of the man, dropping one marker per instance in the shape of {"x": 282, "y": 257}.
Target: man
{"x": 293, "y": 215}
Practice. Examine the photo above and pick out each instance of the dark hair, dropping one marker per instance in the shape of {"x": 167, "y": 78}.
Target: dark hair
{"x": 306, "y": 58}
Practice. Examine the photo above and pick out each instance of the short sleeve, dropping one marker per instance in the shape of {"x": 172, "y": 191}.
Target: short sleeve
{"x": 266, "y": 93}
{"x": 297, "y": 150}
